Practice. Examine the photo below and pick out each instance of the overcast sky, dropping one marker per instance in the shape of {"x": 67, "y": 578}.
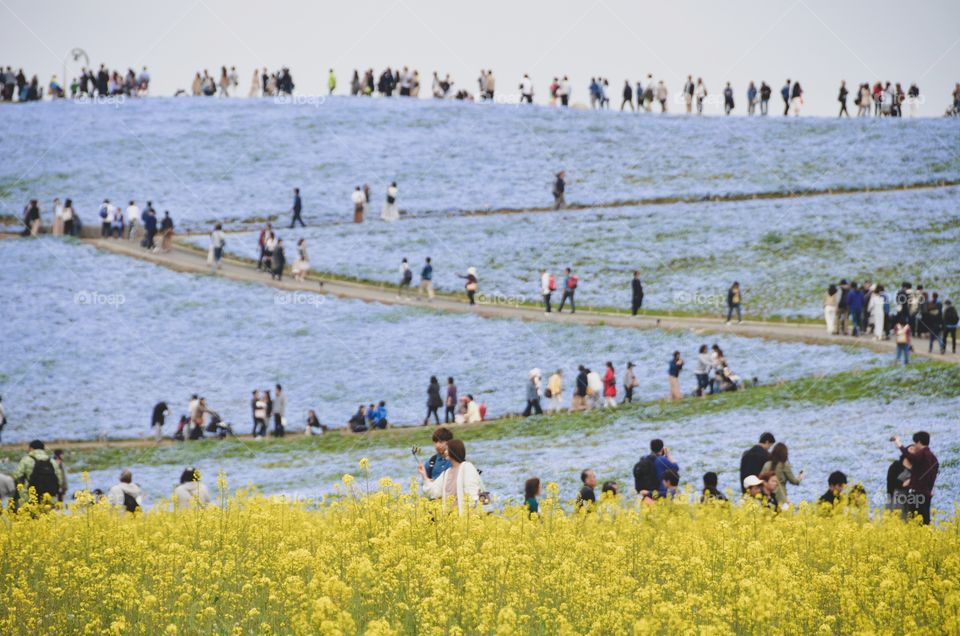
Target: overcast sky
{"x": 818, "y": 42}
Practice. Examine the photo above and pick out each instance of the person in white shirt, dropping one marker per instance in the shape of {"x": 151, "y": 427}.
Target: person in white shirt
{"x": 526, "y": 89}
{"x": 133, "y": 220}
{"x": 358, "y": 202}
{"x": 460, "y": 483}
{"x": 595, "y": 384}
{"x": 546, "y": 289}
{"x": 57, "y": 218}
{"x": 217, "y": 242}
{"x": 390, "y": 210}
{"x": 190, "y": 493}
{"x": 125, "y": 493}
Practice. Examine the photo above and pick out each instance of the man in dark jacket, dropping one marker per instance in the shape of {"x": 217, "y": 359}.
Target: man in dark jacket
{"x": 923, "y": 472}
{"x": 297, "y": 207}
{"x": 950, "y": 320}
{"x": 752, "y": 461}
{"x": 580, "y": 393}
{"x": 559, "y": 186}
{"x": 637, "y": 289}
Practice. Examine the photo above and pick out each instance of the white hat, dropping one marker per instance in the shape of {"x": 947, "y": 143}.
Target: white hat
{"x": 751, "y": 480}
{"x": 472, "y": 271}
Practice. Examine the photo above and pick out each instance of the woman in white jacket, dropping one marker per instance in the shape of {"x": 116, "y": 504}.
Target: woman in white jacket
{"x": 461, "y": 482}
{"x": 190, "y": 493}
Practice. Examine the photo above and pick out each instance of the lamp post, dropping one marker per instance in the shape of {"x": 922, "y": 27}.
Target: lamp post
{"x": 76, "y": 54}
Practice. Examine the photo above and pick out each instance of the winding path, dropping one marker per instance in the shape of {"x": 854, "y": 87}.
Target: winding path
{"x": 183, "y": 259}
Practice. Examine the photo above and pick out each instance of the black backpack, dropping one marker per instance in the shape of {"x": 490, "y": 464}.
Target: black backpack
{"x": 130, "y": 502}
{"x": 43, "y": 479}
{"x": 645, "y": 474}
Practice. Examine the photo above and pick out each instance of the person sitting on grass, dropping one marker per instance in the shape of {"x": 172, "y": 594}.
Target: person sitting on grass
{"x": 358, "y": 423}
{"x": 314, "y": 427}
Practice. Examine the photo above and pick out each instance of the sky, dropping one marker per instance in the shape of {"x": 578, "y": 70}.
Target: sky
{"x": 818, "y": 42}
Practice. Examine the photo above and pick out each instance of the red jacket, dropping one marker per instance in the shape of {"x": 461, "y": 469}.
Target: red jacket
{"x": 610, "y": 384}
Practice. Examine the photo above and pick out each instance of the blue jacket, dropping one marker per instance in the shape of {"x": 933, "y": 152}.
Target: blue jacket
{"x": 855, "y": 300}
{"x": 427, "y": 272}
{"x": 662, "y": 465}
{"x": 436, "y": 466}
{"x": 297, "y": 206}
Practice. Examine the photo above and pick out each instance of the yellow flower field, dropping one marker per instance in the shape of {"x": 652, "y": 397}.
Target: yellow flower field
{"x": 390, "y": 562}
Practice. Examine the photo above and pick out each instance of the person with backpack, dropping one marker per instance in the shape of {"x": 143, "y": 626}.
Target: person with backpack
{"x": 37, "y": 470}
{"x": 439, "y": 462}
{"x": 570, "y": 283}
{"x": 548, "y": 284}
{"x": 125, "y": 494}
{"x": 648, "y": 472}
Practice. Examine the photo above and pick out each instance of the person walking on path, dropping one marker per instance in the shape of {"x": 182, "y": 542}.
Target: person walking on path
{"x": 933, "y": 321}
{"x": 279, "y": 411}
{"x": 753, "y": 459}
{"x": 359, "y": 201}
{"x": 157, "y": 418}
{"x": 450, "y": 403}
{"x": 570, "y": 283}
{"x": 902, "y": 333}
{"x": 217, "y": 242}
{"x": 636, "y": 287}
{"x": 702, "y": 370}
{"x": 302, "y": 265}
{"x": 279, "y": 260}
{"x": 297, "y": 208}
{"x": 426, "y": 280}
{"x": 785, "y": 94}
{"x": 780, "y": 466}
{"x": 259, "y": 405}
{"x": 950, "y": 322}
{"x": 331, "y": 82}
{"x": 627, "y": 96}
{"x": 471, "y": 285}
{"x": 579, "y": 402}
{"x": 842, "y": 98}
{"x": 547, "y": 285}
{"x": 831, "y": 303}
{"x": 629, "y": 383}
{"x": 133, "y": 220}
{"x": 923, "y": 474}
{"x": 673, "y": 374}
{"x": 765, "y": 92}
{"x": 406, "y": 277}
{"x": 433, "y": 401}
{"x": 554, "y": 391}
{"x": 610, "y": 387}
{"x": 734, "y": 299}
{"x": 390, "y": 210}
{"x": 533, "y": 394}
{"x": 559, "y": 187}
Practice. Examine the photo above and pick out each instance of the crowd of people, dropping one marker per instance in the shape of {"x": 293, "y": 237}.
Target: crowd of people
{"x": 764, "y": 474}
{"x": 909, "y": 312}
{"x": 882, "y": 99}
{"x": 765, "y": 470}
